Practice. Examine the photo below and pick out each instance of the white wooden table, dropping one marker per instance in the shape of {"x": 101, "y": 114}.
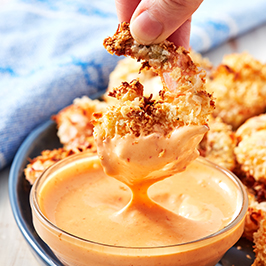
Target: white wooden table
{"x": 14, "y": 250}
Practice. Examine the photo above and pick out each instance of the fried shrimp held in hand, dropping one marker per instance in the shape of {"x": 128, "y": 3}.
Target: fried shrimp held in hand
{"x": 141, "y": 139}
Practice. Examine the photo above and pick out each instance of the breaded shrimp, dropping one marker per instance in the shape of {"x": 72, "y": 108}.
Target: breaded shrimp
{"x": 256, "y": 212}
{"x": 75, "y": 129}
{"x": 251, "y": 149}
{"x": 140, "y": 136}
{"x": 251, "y": 169}
{"x": 256, "y": 123}
{"x": 260, "y": 247}
{"x": 128, "y": 69}
{"x": 173, "y": 64}
{"x": 218, "y": 144}
{"x": 47, "y": 158}
{"x": 239, "y": 87}
{"x": 251, "y": 155}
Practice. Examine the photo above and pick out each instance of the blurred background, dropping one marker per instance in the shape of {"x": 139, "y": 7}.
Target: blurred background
{"x": 51, "y": 52}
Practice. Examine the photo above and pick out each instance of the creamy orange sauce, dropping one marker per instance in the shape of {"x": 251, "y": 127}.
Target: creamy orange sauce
{"x": 82, "y": 200}
{"x": 146, "y": 159}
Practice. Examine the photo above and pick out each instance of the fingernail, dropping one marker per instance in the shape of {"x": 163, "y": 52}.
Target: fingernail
{"x": 145, "y": 28}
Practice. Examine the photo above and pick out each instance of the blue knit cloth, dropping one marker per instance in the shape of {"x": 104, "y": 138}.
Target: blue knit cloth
{"x": 51, "y": 52}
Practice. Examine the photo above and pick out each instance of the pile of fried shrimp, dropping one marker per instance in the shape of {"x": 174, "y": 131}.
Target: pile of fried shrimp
{"x": 236, "y": 139}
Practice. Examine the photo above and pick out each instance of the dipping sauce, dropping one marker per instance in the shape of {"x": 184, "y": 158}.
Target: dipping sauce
{"x": 80, "y": 213}
{"x": 147, "y": 159}
{"x": 85, "y": 202}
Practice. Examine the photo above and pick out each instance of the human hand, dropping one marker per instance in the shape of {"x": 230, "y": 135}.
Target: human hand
{"x": 153, "y": 21}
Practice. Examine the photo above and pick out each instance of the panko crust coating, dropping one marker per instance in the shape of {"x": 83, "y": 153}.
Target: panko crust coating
{"x": 218, "y": 144}
{"x": 128, "y": 69}
{"x": 256, "y": 212}
{"x": 75, "y": 128}
{"x": 136, "y": 114}
{"x": 239, "y": 87}
{"x": 158, "y": 56}
{"x": 251, "y": 169}
{"x": 251, "y": 149}
{"x": 183, "y": 99}
{"x": 254, "y": 124}
{"x": 251, "y": 156}
{"x": 162, "y": 57}
{"x": 47, "y": 158}
{"x": 141, "y": 115}
{"x": 260, "y": 244}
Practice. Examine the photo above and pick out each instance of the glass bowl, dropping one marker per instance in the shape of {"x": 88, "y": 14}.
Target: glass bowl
{"x": 76, "y": 251}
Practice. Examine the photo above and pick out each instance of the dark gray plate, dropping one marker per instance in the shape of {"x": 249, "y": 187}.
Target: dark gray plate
{"x": 44, "y": 137}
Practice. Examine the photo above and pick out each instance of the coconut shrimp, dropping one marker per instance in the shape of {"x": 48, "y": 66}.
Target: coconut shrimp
{"x": 239, "y": 86}
{"x": 140, "y": 132}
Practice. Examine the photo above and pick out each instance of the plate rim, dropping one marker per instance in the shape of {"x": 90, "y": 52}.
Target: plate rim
{"x": 13, "y": 194}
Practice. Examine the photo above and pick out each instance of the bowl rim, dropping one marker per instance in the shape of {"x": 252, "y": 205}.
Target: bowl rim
{"x": 238, "y": 218}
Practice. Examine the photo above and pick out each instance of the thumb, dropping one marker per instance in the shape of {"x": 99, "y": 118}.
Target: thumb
{"x": 155, "y": 20}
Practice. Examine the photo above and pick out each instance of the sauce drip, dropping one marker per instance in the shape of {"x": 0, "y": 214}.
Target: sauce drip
{"x": 147, "y": 159}
{"x": 141, "y": 161}
{"x": 82, "y": 200}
